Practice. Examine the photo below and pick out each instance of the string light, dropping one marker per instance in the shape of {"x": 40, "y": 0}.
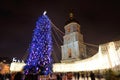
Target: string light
{"x": 104, "y": 59}
{"x": 41, "y": 45}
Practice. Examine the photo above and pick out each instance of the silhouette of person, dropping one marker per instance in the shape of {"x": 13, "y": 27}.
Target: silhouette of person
{"x": 59, "y": 77}
{"x": 78, "y": 75}
{"x": 18, "y": 76}
{"x": 92, "y": 75}
{"x": 87, "y": 75}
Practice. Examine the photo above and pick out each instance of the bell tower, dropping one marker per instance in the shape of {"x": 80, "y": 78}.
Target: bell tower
{"x": 73, "y": 47}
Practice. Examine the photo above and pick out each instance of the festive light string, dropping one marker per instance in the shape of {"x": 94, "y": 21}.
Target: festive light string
{"x": 39, "y": 59}
{"x": 97, "y": 62}
{"x": 59, "y": 37}
{"x": 57, "y": 28}
{"x": 55, "y": 56}
{"x": 55, "y": 40}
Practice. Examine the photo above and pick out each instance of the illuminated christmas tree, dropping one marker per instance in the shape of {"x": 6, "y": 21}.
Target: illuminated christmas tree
{"x": 39, "y": 59}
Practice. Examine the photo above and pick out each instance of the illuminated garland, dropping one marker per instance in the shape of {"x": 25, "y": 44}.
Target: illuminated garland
{"x": 39, "y": 59}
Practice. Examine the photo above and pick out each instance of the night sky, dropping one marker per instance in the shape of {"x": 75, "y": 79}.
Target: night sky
{"x": 99, "y": 20}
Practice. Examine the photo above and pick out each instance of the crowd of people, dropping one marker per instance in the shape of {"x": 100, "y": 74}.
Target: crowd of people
{"x": 76, "y": 76}
{"x": 52, "y": 76}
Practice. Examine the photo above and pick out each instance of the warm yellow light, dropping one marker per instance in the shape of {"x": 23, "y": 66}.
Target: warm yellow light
{"x": 106, "y": 59}
{"x": 16, "y": 66}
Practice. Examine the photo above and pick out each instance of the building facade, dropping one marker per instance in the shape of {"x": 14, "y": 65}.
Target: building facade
{"x": 73, "y": 47}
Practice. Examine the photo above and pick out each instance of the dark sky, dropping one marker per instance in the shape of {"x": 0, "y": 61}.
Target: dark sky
{"x": 99, "y": 20}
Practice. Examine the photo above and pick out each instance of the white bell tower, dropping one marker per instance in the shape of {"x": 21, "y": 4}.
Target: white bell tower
{"x": 73, "y": 47}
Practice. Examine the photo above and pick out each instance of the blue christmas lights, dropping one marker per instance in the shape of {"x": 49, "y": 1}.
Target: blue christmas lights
{"x": 39, "y": 59}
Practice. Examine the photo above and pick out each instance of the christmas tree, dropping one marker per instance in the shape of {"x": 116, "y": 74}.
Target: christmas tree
{"x": 39, "y": 59}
